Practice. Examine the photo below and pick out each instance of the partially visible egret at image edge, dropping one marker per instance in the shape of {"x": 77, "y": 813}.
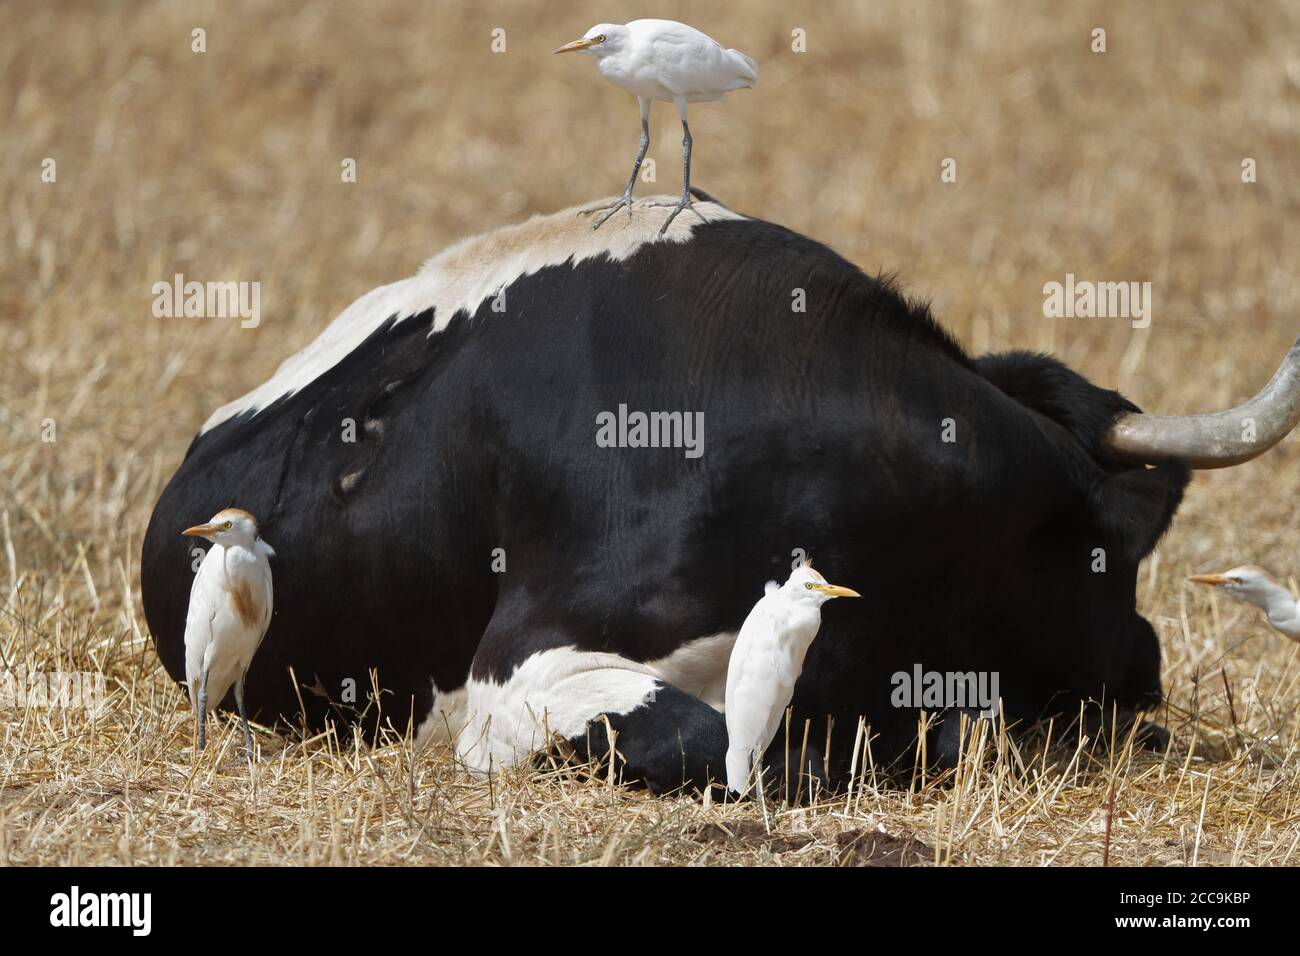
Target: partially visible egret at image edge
{"x": 1254, "y": 586}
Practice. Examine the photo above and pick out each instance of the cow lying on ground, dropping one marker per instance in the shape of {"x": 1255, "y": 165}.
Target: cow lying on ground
{"x": 536, "y": 488}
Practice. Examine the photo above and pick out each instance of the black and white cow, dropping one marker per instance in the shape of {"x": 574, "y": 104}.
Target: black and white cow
{"x": 480, "y": 554}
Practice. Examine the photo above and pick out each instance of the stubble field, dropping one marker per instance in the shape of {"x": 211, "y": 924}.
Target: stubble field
{"x": 225, "y": 165}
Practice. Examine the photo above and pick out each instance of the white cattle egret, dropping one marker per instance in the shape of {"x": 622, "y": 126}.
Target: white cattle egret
{"x": 1253, "y": 585}
{"x": 668, "y": 61}
{"x": 765, "y": 663}
{"x": 230, "y": 610}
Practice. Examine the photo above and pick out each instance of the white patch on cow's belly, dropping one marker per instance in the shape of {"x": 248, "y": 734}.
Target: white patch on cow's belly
{"x": 561, "y": 690}
{"x": 553, "y": 692}
{"x": 699, "y": 667}
{"x": 446, "y": 719}
{"x": 556, "y": 691}
{"x": 463, "y": 276}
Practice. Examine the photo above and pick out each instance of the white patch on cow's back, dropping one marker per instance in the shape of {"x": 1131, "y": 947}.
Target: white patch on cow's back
{"x": 463, "y": 276}
{"x": 699, "y": 667}
{"x": 556, "y": 691}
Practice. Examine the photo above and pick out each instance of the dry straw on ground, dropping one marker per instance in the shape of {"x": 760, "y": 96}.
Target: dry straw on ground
{"x": 225, "y": 165}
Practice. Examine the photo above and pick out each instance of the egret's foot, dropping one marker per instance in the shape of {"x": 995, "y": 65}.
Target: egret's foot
{"x": 201, "y": 712}
{"x": 786, "y": 779}
{"x": 683, "y": 203}
{"x": 615, "y": 206}
{"x": 248, "y": 741}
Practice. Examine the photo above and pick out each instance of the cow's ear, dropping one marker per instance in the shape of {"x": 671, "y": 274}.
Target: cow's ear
{"x": 1133, "y": 508}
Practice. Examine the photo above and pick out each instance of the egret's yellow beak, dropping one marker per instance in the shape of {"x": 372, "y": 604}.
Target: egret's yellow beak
{"x": 834, "y": 590}
{"x": 1218, "y": 580}
{"x": 576, "y": 45}
{"x": 199, "y": 530}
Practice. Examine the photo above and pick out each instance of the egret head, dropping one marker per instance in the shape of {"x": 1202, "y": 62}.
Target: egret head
{"x": 604, "y": 39}
{"x": 232, "y": 526}
{"x": 807, "y": 586}
{"x": 1244, "y": 583}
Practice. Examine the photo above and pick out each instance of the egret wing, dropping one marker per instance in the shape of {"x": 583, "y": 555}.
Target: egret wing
{"x": 750, "y": 661}
{"x": 754, "y": 682}
{"x": 744, "y": 66}
{"x": 198, "y": 628}
{"x": 785, "y": 672}
{"x": 268, "y": 600}
{"x": 686, "y": 63}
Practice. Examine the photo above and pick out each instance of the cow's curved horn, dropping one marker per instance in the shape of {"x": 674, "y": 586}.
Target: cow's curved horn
{"x": 1220, "y": 439}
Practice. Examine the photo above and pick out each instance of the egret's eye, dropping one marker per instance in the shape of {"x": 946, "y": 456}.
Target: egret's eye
{"x": 228, "y": 525}
{"x": 601, "y": 38}
{"x": 808, "y": 586}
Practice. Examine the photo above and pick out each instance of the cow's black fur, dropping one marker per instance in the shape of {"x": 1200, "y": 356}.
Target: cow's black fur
{"x": 822, "y": 432}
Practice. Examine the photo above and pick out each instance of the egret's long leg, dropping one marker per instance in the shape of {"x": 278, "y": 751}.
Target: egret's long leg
{"x": 243, "y": 717}
{"x": 685, "y": 201}
{"x": 626, "y": 198}
{"x": 203, "y": 710}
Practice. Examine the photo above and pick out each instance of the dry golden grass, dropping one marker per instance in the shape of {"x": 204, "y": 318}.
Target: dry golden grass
{"x": 225, "y": 165}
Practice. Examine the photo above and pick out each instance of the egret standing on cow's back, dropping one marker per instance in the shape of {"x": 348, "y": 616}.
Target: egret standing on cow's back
{"x": 668, "y": 61}
{"x": 230, "y": 610}
{"x": 765, "y": 663}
